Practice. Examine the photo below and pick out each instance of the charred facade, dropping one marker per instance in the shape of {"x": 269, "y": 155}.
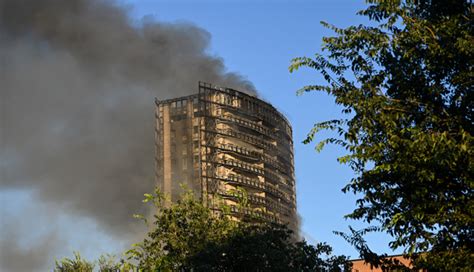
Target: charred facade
{"x": 227, "y": 146}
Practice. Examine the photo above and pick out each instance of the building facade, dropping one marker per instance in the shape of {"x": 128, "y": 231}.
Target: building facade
{"x": 227, "y": 147}
{"x": 359, "y": 265}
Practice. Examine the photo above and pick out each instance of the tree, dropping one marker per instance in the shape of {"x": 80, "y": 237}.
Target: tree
{"x": 266, "y": 248}
{"x": 187, "y": 236}
{"x": 178, "y": 231}
{"x": 78, "y": 264}
{"x": 106, "y": 263}
{"x": 405, "y": 82}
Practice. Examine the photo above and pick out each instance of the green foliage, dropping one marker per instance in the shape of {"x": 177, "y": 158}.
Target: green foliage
{"x": 179, "y": 231}
{"x": 187, "y": 236}
{"x": 106, "y": 263}
{"x": 266, "y": 248}
{"x": 383, "y": 261}
{"x": 78, "y": 264}
{"x": 405, "y": 82}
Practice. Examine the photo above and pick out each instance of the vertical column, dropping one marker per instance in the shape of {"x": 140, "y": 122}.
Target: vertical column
{"x": 166, "y": 151}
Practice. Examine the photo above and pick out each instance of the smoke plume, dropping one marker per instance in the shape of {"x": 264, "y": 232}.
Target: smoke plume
{"x": 77, "y": 85}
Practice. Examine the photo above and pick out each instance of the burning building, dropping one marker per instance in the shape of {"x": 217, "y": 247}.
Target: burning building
{"x": 227, "y": 146}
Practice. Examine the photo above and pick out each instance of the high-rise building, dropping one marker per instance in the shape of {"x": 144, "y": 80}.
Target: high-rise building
{"x": 227, "y": 146}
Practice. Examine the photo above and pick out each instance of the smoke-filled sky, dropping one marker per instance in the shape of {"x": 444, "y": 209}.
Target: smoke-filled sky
{"x": 77, "y": 84}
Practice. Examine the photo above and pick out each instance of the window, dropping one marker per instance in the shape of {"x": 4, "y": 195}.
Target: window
{"x": 173, "y": 148}
{"x": 185, "y": 164}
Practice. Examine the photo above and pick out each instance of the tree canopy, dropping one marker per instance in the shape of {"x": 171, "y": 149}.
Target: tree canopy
{"x": 405, "y": 84}
{"x": 187, "y": 236}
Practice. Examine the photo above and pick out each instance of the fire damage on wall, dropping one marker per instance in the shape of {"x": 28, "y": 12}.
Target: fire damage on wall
{"x": 227, "y": 147}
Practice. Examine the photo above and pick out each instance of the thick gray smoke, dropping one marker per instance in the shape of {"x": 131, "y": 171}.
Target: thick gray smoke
{"x": 29, "y": 242}
{"x": 77, "y": 87}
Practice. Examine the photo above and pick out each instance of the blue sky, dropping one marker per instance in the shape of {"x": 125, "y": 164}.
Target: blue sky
{"x": 258, "y": 39}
